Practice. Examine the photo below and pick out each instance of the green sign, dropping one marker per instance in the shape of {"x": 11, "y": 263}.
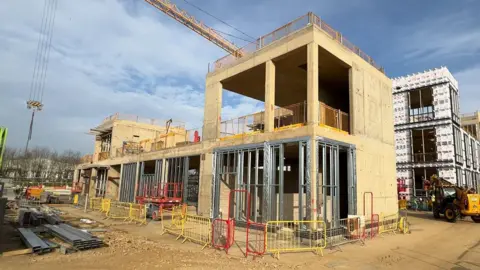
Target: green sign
{"x": 3, "y": 142}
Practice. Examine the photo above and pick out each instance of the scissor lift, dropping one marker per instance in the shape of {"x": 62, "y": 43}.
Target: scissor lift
{"x": 163, "y": 196}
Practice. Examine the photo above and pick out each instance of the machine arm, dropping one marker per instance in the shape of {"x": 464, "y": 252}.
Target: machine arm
{"x": 189, "y": 21}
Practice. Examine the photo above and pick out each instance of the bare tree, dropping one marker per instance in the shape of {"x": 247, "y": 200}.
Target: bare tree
{"x": 40, "y": 165}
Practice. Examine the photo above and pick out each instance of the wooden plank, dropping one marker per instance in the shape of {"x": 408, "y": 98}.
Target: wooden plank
{"x": 17, "y": 252}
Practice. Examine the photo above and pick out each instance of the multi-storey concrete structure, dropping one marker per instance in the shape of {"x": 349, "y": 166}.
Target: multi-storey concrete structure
{"x": 471, "y": 123}
{"x": 324, "y": 138}
{"x": 428, "y": 136}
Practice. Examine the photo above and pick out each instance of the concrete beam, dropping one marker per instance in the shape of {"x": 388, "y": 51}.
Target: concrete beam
{"x": 269, "y": 96}
{"x": 213, "y": 110}
{"x": 312, "y": 84}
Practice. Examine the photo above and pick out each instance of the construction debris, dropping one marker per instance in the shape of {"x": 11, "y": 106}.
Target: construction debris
{"x": 86, "y": 220}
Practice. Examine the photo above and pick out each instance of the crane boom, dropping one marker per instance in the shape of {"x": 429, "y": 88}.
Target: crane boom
{"x": 189, "y": 21}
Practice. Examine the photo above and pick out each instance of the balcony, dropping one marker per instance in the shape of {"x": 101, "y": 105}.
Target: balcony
{"x": 176, "y": 138}
{"x": 103, "y": 156}
{"x": 334, "y": 118}
{"x": 290, "y": 116}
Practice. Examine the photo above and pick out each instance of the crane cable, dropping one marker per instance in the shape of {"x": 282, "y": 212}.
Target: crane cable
{"x": 222, "y": 21}
{"x": 39, "y": 76}
{"x": 43, "y": 51}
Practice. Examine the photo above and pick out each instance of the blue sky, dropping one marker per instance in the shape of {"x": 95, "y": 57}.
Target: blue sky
{"x": 124, "y": 56}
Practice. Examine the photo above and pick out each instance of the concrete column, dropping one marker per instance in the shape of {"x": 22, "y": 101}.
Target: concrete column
{"x": 92, "y": 183}
{"x": 312, "y": 84}
{"x": 313, "y": 180}
{"x": 84, "y": 183}
{"x": 205, "y": 185}
{"x": 213, "y": 110}
{"x": 269, "y": 116}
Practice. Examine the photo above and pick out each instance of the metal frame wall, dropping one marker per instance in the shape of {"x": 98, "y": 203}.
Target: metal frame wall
{"x": 127, "y": 188}
{"x": 101, "y": 183}
{"x": 243, "y": 163}
{"x": 149, "y": 184}
{"x": 329, "y": 185}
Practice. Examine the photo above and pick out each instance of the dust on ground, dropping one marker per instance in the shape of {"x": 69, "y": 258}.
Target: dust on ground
{"x": 433, "y": 244}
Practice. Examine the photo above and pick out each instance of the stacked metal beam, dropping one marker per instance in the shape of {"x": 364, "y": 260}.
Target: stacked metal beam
{"x": 34, "y": 242}
{"x": 78, "y": 239}
{"x": 53, "y": 219}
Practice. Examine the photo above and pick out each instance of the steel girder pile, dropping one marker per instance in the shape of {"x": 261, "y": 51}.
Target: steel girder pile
{"x": 34, "y": 242}
{"x": 78, "y": 239}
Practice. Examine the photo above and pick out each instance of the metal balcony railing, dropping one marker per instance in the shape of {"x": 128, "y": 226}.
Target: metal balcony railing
{"x": 335, "y": 118}
{"x": 288, "y": 29}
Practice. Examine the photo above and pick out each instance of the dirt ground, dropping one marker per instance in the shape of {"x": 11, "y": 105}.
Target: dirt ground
{"x": 433, "y": 244}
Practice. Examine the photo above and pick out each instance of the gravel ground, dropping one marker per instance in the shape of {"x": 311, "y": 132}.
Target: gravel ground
{"x": 433, "y": 244}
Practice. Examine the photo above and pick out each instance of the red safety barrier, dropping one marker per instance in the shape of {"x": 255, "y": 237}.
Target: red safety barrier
{"x": 223, "y": 233}
{"x": 374, "y": 218}
{"x": 374, "y": 225}
{"x": 256, "y": 238}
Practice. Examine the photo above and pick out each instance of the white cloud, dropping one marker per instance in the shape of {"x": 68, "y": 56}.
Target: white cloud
{"x": 448, "y": 36}
{"x": 103, "y": 60}
{"x": 469, "y": 85}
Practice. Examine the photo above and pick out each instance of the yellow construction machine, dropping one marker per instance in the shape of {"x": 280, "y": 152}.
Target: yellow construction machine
{"x": 453, "y": 201}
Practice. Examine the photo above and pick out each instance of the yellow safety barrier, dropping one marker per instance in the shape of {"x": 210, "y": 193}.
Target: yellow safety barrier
{"x": 197, "y": 229}
{"x": 172, "y": 221}
{"x": 96, "y": 204}
{"x": 138, "y": 213}
{"x": 403, "y": 225}
{"x": 402, "y": 204}
{"x": 388, "y": 223}
{"x": 75, "y": 199}
{"x": 105, "y": 205}
{"x": 295, "y": 236}
{"x": 119, "y": 210}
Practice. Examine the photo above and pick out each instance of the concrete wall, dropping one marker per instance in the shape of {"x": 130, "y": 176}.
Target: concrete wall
{"x": 113, "y": 183}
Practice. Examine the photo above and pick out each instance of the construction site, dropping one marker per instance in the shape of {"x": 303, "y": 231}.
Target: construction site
{"x": 343, "y": 162}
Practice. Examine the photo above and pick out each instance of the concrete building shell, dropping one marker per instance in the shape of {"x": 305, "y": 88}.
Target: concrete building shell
{"x": 324, "y": 139}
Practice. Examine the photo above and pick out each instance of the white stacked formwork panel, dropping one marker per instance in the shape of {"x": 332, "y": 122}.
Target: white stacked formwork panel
{"x": 442, "y": 101}
{"x": 403, "y": 146}
{"x": 400, "y": 108}
{"x": 445, "y": 143}
{"x": 407, "y": 176}
{"x": 448, "y": 174}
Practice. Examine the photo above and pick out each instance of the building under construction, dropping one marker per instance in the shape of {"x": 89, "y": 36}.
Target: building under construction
{"x": 471, "y": 123}
{"x": 429, "y": 139}
{"x": 324, "y": 138}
